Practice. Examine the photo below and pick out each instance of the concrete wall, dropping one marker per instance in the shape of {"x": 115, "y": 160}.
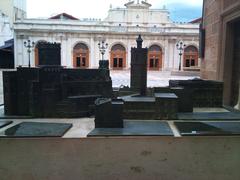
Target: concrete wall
{"x": 141, "y": 158}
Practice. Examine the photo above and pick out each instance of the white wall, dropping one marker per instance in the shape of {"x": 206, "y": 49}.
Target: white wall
{"x": 14, "y": 9}
{"x": 6, "y": 32}
{"x": 6, "y": 6}
{"x": 20, "y": 4}
{"x": 138, "y": 16}
{"x": 68, "y": 41}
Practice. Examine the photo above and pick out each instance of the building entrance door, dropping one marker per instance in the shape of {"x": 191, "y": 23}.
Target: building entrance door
{"x": 236, "y": 66}
{"x": 118, "y": 57}
{"x": 190, "y": 57}
{"x": 80, "y": 56}
{"x": 155, "y": 58}
{"x": 47, "y": 54}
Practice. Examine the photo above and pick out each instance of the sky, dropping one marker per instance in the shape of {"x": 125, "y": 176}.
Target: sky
{"x": 181, "y": 10}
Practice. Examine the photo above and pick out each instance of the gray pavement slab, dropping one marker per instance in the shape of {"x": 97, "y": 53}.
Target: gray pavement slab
{"x": 208, "y": 128}
{"x": 135, "y": 128}
{"x": 209, "y": 116}
{"x": 38, "y": 129}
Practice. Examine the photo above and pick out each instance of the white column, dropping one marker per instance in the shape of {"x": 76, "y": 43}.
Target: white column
{"x": 69, "y": 55}
{"x": 92, "y": 59}
{"x": 24, "y": 53}
{"x": 128, "y": 64}
{"x": 96, "y": 54}
{"x": 32, "y": 58}
{"x": 166, "y": 55}
{"x": 176, "y": 57}
{"x": 16, "y": 47}
{"x": 64, "y": 52}
{"x": 171, "y": 55}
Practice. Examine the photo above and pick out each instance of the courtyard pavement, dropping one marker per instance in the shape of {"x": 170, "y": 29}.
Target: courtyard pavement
{"x": 154, "y": 78}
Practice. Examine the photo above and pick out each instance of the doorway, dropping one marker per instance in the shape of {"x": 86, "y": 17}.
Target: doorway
{"x": 80, "y": 56}
{"x": 235, "y": 85}
{"x": 118, "y": 57}
{"x": 155, "y": 58}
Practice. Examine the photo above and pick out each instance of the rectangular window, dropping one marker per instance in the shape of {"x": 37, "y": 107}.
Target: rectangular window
{"x": 192, "y": 62}
{"x": 78, "y": 62}
{"x": 120, "y": 63}
{"x": 83, "y": 61}
{"x": 156, "y": 63}
{"x": 151, "y": 65}
{"x": 115, "y": 62}
{"x": 187, "y": 63}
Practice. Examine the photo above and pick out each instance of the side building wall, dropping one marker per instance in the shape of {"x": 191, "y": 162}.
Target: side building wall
{"x": 6, "y": 32}
{"x": 216, "y": 15}
{"x": 221, "y": 20}
{"x": 212, "y": 25}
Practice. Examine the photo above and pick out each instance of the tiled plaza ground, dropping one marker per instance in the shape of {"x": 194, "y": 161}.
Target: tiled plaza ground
{"x": 155, "y": 78}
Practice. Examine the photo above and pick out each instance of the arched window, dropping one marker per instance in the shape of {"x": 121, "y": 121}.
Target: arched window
{"x": 155, "y": 57}
{"x": 80, "y": 56}
{"x": 118, "y": 57}
{"x": 190, "y": 57}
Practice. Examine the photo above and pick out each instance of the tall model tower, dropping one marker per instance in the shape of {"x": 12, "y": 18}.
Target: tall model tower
{"x": 139, "y": 68}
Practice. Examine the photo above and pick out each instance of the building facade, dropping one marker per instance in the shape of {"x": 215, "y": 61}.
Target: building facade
{"x": 6, "y": 31}
{"x": 221, "y": 24}
{"x": 14, "y": 9}
{"x": 80, "y": 38}
{"x": 10, "y": 11}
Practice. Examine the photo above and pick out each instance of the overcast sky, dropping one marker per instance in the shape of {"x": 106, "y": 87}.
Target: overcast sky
{"x": 181, "y": 10}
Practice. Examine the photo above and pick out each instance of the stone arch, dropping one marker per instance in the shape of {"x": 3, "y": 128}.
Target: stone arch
{"x": 155, "y": 57}
{"x": 158, "y": 44}
{"x": 118, "y": 56}
{"x": 80, "y": 55}
{"x": 190, "y": 56}
{"x": 81, "y": 42}
{"x": 118, "y": 43}
{"x": 36, "y": 52}
{"x": 192, "y": 44}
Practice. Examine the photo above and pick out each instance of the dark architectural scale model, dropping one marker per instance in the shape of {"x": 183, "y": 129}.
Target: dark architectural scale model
{"x": 54, "y": 91}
